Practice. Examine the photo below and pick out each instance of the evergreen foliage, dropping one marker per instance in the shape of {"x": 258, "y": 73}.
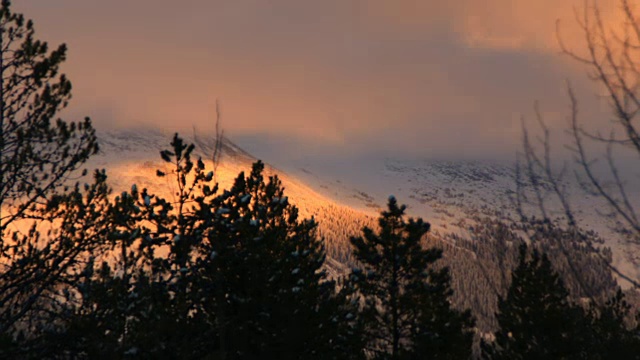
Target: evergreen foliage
{"x": 538, "y": 321}
{"x": 37, "y": 151}
{"x": 612, "y": 332}
{"x": 37, "y": 154}
{"x": 228, "y": 275}
{"x": 406, "y": 312}
{"x": 265, "y": 265}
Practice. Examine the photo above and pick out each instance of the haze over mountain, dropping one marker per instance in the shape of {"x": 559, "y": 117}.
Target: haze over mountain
{"x": 329, "y": 80}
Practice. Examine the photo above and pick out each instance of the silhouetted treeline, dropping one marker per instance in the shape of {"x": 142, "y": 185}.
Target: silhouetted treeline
{"x": 236, "y": 274}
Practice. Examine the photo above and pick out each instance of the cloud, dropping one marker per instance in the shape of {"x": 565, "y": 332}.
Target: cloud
{"x": 416, "y": 77}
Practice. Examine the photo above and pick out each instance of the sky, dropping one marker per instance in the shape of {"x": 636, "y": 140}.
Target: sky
{"x": 325, "y": 80}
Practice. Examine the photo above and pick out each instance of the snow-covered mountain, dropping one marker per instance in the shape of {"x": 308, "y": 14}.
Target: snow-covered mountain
{"x": 132, "y": 157}
{"x": 445, "y": 193}
{"x": 448, "y": 194}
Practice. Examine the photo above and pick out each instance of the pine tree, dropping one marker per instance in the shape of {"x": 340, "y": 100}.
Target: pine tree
{"x": 226, "y": 275}
{"x": 610, "y": 337}
{"x": 132, "y": 298}
{"x": 406, "y": 312}
{"x": 37, "y": 151}
{"x": 41, "y": 283}
{"x": 263, "y": 267}
{"x": 536, "y": 318}
{"x": 37, "y": 154}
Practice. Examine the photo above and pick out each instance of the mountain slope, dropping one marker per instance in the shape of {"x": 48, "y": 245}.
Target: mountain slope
{"x": 132, "y": 157}
{"x": 460, "y": 199}
{"x": 450, "y": 193}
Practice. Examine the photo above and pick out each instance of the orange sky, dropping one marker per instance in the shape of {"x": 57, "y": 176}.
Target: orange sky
{"x": 419, "y": 77}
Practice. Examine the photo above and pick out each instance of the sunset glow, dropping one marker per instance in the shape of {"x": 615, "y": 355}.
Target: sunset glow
{"x": 348, "y": 74}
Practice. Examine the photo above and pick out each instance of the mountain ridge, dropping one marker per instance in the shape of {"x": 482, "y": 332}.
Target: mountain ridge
{"x": 445, "y": 193}
{"x": 479, "y": 248}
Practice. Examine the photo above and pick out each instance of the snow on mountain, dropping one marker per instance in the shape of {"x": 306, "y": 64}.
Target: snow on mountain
{"x": 132, "y": 157}
{"x": 445, "y": 193}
